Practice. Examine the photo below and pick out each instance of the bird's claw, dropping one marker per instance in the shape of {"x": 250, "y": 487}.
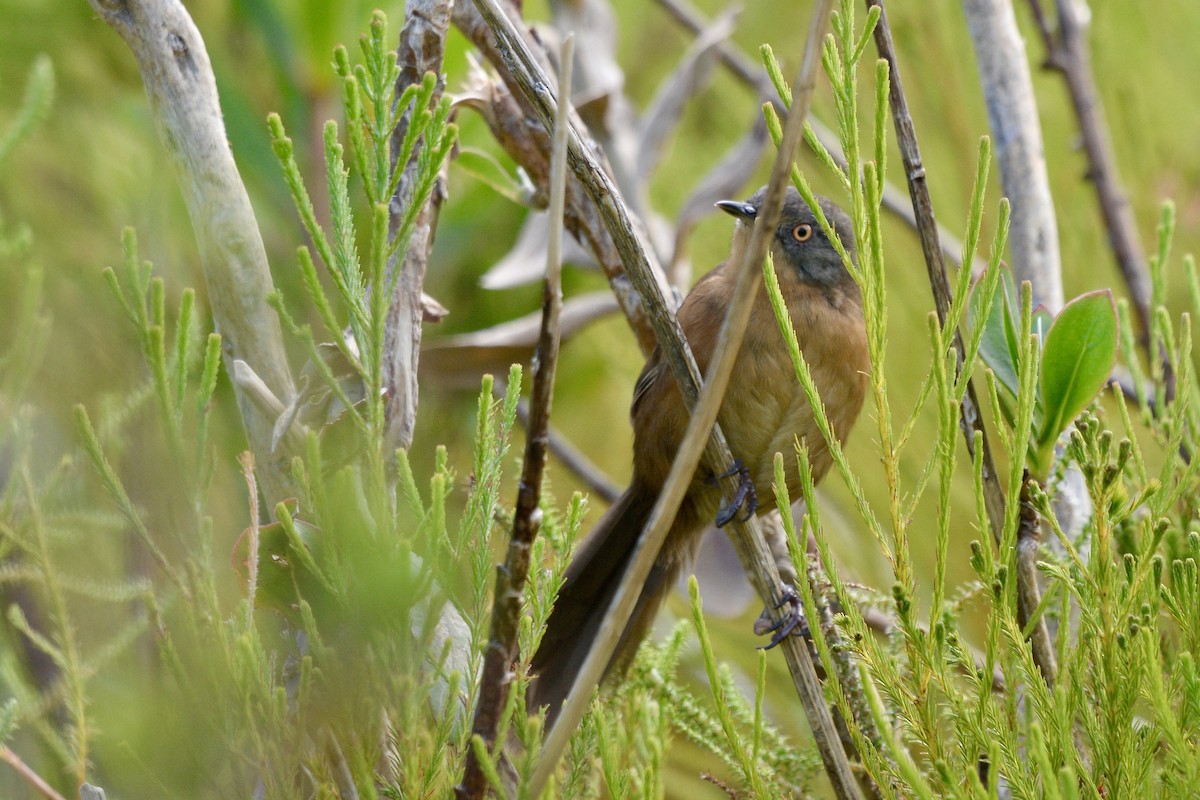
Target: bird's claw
{"x": 744, "y": 498}
{"x": 792, "y": 621}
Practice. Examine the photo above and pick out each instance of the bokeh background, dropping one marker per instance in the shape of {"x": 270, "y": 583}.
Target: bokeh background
{"x": 96, "y": 165}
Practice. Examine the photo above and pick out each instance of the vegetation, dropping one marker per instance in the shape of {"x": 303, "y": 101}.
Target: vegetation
{"x": 163, "y": 638}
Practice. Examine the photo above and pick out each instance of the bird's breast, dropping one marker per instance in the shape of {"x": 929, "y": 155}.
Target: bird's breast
{"x": 765, "y": 409}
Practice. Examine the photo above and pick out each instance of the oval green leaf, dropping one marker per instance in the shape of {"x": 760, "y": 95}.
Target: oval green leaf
{"x": 1077, "y": 358}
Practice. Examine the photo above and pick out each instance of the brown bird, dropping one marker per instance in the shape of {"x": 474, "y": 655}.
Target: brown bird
{"x": 764, "y": 412}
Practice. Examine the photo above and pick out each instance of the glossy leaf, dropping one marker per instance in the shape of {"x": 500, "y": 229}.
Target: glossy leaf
{"x": 1077, "y": 358}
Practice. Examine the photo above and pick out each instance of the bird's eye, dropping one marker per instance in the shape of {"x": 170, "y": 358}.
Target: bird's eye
{"x": 802, "y": 232}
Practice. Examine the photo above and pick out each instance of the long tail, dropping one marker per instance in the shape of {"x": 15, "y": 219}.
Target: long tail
{"x": 592, "y": 581}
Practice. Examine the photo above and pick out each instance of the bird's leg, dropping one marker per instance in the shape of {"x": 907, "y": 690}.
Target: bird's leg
{"x": 791, "y": 622}
{"x": 745, "y": 496}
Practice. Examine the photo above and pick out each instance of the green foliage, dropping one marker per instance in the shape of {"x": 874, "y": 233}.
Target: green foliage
{"x": 927, "y": 718}
{"x": 364, "y": 286}
{"x": 1077, "y": 351}
{"x": 338, "y": 653}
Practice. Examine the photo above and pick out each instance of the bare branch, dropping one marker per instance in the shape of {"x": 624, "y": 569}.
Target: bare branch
{"x": 574, "y": 460}
{"x": 519, "y": 129}
{"x": 183, "y": 96}
{"x": 1069, "y": 55}
{"x": 1012, "y": 116}
{"x": 525, "y": 70}
{"x": 527, "y": 516}
{"x": 35, "y": 781}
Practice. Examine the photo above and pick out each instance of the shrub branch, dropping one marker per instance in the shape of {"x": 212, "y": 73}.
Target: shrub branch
{"x": 511, "y": 576}
{"x": 183, "y": 96}
{"x": 970, "y": 419}
{"x": 421, "y": 50}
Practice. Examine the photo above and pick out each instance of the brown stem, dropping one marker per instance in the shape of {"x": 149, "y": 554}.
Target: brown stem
{"x": 574, "y": 460}
{"x": 970, "y": 420}
{"x": 28, "y": 775}
{"x": 517, "y": 127}
{"x": 1069, "y": 55}
{"x": 1028, "y": 595}
{"x": 520, "y": 65}
{"x": 511, "y": 577}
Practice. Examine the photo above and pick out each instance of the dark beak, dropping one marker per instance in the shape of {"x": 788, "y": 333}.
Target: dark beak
{"x": 738, "y": 209}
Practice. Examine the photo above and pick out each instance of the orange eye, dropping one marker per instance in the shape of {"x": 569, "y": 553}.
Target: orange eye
{"x": 802, "y": 232}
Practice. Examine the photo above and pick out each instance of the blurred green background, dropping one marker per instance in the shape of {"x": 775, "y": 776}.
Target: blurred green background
{"x": 96, "y": 165}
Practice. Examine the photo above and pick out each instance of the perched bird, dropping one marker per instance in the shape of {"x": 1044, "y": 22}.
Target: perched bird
{"x": 764, "y": 412}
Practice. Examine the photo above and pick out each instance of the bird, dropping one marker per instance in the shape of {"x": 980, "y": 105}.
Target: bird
{"x": 763, "y": 412}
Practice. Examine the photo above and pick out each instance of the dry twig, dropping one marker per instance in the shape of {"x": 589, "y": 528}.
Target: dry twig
{"x": 970, "y": 420}
{"x": 511, "y": 576}
{"x": 519, "y": 129}
{"x": 1068, "y": 55}
{"x": 524, "y": 70}
{"x": 574, "y": 460}
{"x": 27, "y": 774}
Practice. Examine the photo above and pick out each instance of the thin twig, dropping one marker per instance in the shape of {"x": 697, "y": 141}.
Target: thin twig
{"x": 510, "y": 578}
{"x": 182, "y": 92}
{"x": 421, "y": 50}
{"x": 748, "y": 72}
{"x": 28, "y": 775}
{"x": 246, "y": 459}
{"x": 1068, "y": 54}
{"x": 1028, "y": 591}
{"x": 970, "y": 420}
{"x": 531, "y": 79}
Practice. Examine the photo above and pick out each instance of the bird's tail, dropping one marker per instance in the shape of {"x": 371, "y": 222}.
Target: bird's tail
{"x": 591, "y": 583}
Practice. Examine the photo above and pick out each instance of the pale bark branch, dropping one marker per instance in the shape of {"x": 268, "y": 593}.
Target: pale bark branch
{"x": 183, "y": 97}
{"x": 1013, "y": 119}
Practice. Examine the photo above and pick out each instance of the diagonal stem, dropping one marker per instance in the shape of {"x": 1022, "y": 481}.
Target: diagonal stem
{"x": 511, "y": 577}
{"x": 531, "y": 82}
{"x": 970, "y": 420}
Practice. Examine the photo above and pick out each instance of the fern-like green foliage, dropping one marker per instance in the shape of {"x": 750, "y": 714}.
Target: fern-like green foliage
{"x": 338, "y": 654}
{"x": 929, "y": 713}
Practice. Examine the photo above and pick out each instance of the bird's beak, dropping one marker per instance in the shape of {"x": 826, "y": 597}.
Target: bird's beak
{"x": 738, "y": 209}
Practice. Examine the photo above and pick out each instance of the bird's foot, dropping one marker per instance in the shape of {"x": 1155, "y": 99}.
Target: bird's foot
{"x": 792, "y": 621}
{"x": 744, "y": 498}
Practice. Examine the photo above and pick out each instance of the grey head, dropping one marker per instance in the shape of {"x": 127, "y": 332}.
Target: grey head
{"x": 799, "y": 238}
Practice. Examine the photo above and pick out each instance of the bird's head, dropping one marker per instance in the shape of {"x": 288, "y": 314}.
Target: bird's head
{"x": 799, "y": 241}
